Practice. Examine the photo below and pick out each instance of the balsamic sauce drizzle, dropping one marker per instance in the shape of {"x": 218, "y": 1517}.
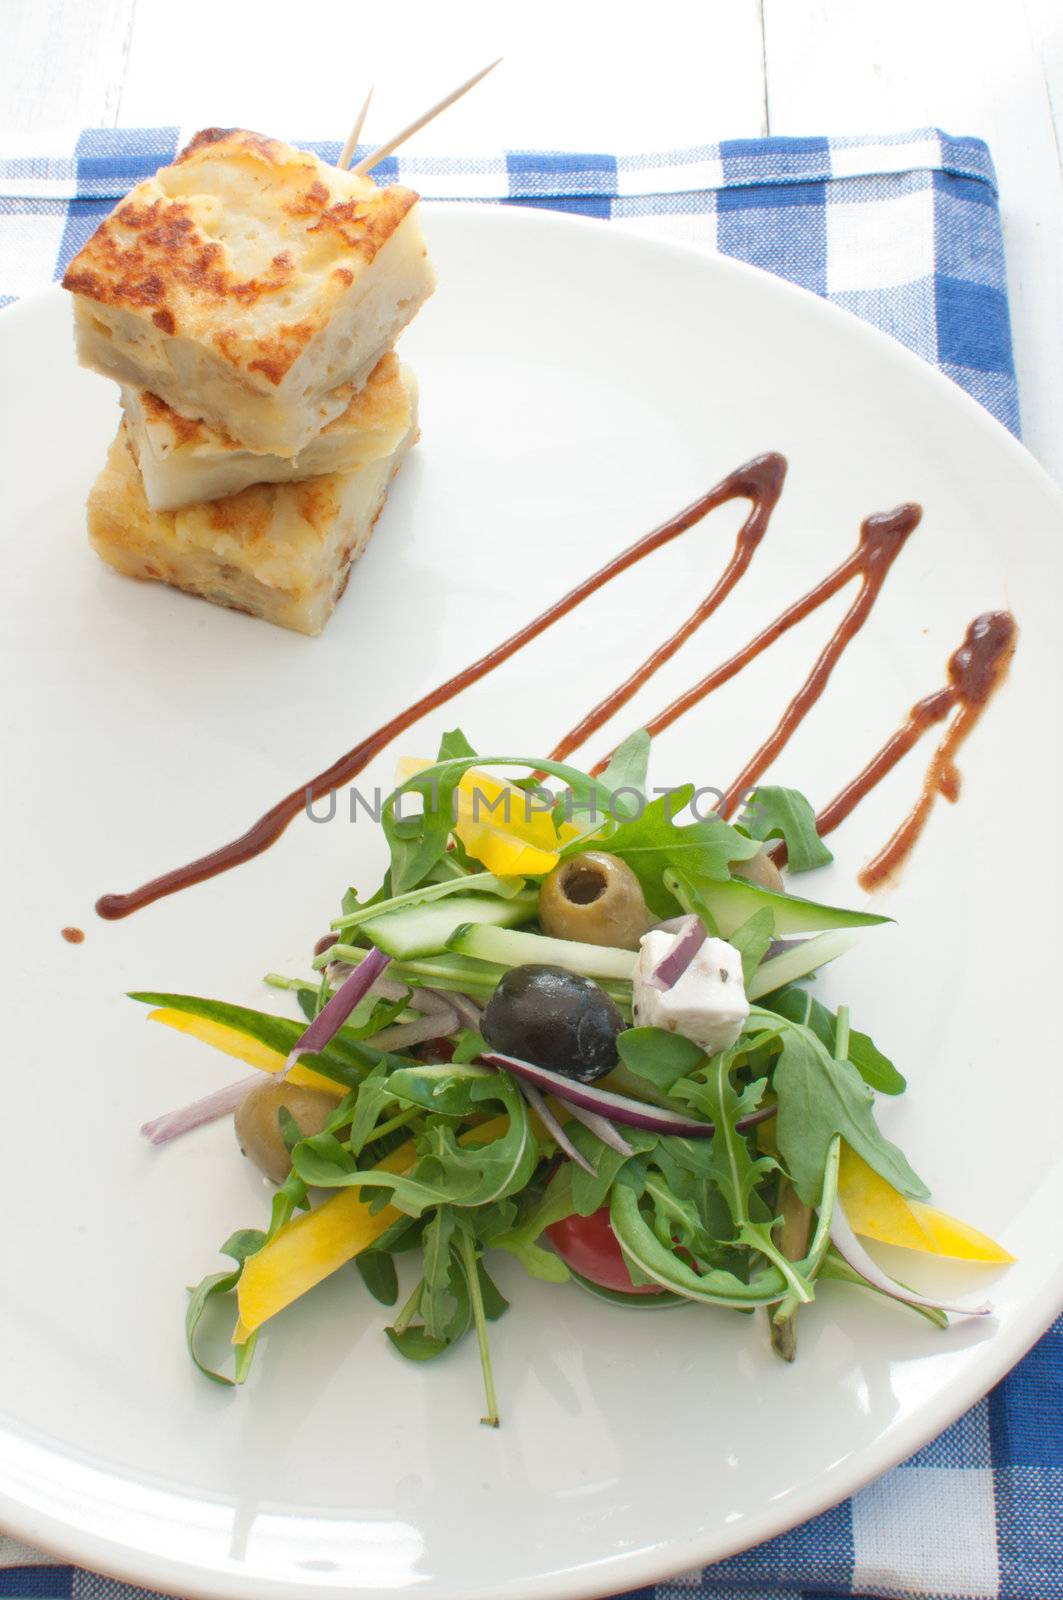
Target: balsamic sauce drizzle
{"x": 882, "y": 537}
{"x": 975, "y": 671}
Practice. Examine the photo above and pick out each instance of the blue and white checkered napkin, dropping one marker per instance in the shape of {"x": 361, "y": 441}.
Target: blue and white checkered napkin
{"x": 904, "y": 231}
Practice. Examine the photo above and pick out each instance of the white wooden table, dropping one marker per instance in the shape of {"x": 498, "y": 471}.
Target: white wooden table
{"x": 586, "y": 74}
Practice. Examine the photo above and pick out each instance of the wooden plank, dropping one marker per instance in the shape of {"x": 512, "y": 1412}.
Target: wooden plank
{"x": 969, "y": 66}
{"x": 63, "y": 62}
{"x": 573, "y": 77}
{"x": 1046, "y": 30}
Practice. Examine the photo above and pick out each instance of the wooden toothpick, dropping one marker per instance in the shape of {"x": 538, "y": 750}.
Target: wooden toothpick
{"x": 352, "y": 138}
{"x": 367, "y": 163}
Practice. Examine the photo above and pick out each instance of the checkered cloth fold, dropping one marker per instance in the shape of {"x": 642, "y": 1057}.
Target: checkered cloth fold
{"x": 903, "y": 230}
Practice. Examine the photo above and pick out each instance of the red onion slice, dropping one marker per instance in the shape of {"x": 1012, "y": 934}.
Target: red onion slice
{"x": 469, "y": 1013}
{"x": 419, "y": 997}
{"x": 331, "y": 1017}
{"x": 554, "y": 1128}
{"x": 616, "y": 1107}
{"x": 690, "y": 936}
{"x": 434, "y": 1002}
{"x": 436, "y": 1025}
{"x": 219, "y": 1103}
{"x": 601, "y": 1127}
{"x": 848, "y": 1245}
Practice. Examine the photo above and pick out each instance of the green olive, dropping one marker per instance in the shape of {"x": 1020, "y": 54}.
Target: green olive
{"x": 595, "y": 898}
{"x": 258, "y": 1126}
{"x": 761, "y": 870}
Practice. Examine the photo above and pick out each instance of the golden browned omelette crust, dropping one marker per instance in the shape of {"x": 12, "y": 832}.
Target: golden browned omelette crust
{"x": 367, "y": 408}
{"x": 244, "y": 243}
{"x": 281, "y": 552}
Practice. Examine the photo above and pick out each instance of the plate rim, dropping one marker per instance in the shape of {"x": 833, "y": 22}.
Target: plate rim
{"x": 133, "y": 1564}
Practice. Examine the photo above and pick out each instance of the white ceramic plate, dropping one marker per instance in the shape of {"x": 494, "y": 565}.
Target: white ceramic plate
{"x": 579, "y": 385}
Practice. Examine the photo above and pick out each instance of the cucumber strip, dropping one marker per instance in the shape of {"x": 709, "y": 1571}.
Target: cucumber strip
{"x": 482, "y": 882}
{"x": 804, "y": 958}
{"x": 423, "y": 930}
{"x": 462, "y": 974}
{"x": 509, "y": 948}
{"x": 734, "y": 902}
{"x": 444, "y": 971}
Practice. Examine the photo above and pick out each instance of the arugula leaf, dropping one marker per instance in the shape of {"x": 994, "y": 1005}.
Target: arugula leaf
{"x": 290, "y": 1196}
{"x": 454, "y": 746}
{"x": 553, "y": 1205}
{"x": 469, "y": 1046}
{"x": 350, "y": 903}
{"x": 571, "y": 1191}
{"x": 752, "y": 939}
{"x": 446, "y": 1302}
{"x": 494, "y": 1301}
{"x": 404, "y": 1234}
{"x": 377, "y": 1271}
{"x": 442, "y": 1087}
{"x": 799, "y": 1005}
{"x": 589, "y": 1191}
{"x": 487, "y": 1222}
{"x": 416, "y": 1344}
{"x": 476, "y": 1279}
{"x": 322, "y": 1162}
{"x": 373, "y": 1096}
{"x": 238, "y": 1247}
{"x": 417, "y": 843}
{"x": 307, "y": 999}
{"x": 652, "y": 842}
{"x": 687, "y": 1168}
{"x": 371, "y": 1015}
{"x": 777, "y": 813}
{"x": 427, "y": 893}
{"x": 290, "y": 1130}
{"x": 445, "y": 1172}
{"x": 657, "y": 1055}
{"x": 437, "y": 1302}
{"x": 677, "y": 1220}
{"x": 735, "y": 1172}
{"x": 690, "y": 899}
{"x": 536, "y": 1261}
{"x": 644, "y": 1250}
{"x": 819, "y": 1097}
{"x": 628, "y": 768}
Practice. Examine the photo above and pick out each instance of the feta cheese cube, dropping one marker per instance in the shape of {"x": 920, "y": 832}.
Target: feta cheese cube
{"x": 708, "y": 1002}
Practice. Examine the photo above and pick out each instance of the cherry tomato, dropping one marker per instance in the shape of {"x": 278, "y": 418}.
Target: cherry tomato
{"x": 589, "y": 1246}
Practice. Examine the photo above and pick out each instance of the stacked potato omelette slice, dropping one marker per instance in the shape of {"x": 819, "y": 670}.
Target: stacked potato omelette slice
{"x": 247, "y": 299}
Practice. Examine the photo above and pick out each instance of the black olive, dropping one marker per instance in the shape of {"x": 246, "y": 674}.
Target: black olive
{"x": 554, "y": 1019}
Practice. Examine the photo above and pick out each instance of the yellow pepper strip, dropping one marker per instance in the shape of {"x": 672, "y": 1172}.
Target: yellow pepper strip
{"x": 876, "y": 1210}
{"x": 499, "y": 826}
{"x": 315, "y": 1244}
{"x": 231, "y": 1042}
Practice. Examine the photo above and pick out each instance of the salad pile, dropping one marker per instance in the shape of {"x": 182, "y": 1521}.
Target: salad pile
{"x": 574, "y": 1028}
